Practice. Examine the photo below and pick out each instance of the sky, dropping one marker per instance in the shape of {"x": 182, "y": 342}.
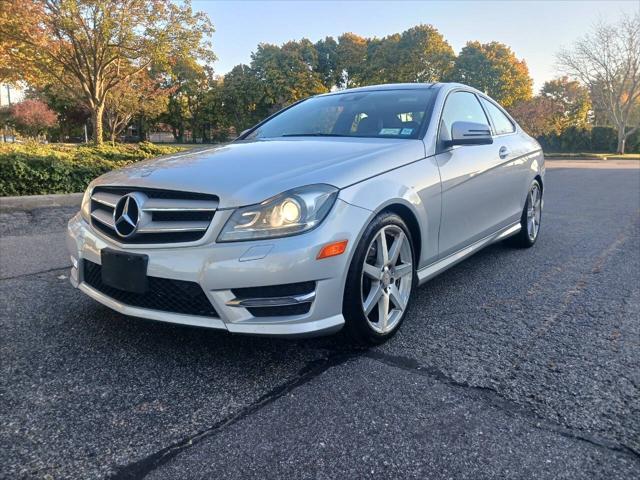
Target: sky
{"x": 535, "y": 30}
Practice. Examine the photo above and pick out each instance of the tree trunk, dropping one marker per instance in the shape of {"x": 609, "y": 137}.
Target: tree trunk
{"x": 622, "y": 139}
{"x": 96, "y": 118}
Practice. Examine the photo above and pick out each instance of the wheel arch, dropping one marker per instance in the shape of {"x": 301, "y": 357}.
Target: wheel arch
{"x": 539, "y": 179}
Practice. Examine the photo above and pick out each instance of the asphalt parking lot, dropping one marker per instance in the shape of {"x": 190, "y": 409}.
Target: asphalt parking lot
{"x": 514, "y": 364}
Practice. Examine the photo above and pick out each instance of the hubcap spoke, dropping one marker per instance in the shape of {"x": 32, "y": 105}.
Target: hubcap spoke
{"x": 372, "y": 271}
{"x": 373, "y": 298}
{"x": 396, "y": 297}
{"x": 383, "y": 250}
{"x": 402, "y": 270}
{"x": 383, "y": 311}
{"x": 394, "y": 251}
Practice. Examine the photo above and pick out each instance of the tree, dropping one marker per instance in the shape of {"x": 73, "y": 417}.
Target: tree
{"x": 607, "y": 60}
{"x": 286, "y": 74}
{"x": 537, "y": 115}
{"x": 572, "y": 100}
{"x": 32, "y": 117}
{"x": 142, "y": 95}
{"x": 381, "y": 61}
{"x": 351, "y": 60}
{"x": 72, "y": 114}
{"x": 328, "y": 62}
{"x": 188, "y": 83}
{"x": 423, "y": 55}
{"x": 493, "y": 69}
{"x": 240, "y": 97}
{"x": 420, "y": 54}
{"x": 92, "y": 46}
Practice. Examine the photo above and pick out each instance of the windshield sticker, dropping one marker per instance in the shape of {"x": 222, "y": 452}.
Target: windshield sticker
{"x": 389, "y": 131}
{"x": 406, "y": 131}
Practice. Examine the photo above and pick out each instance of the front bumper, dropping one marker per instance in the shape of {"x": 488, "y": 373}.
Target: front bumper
{"x": 220, "y": 267}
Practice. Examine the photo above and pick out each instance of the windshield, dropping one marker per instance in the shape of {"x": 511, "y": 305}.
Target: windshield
{"x": 374, "y": 114}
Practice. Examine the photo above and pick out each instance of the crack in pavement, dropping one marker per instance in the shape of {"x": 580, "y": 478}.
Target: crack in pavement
{"x": 494, "y": 397}
{"x": 575, "y": 290}
{"x": 24, "y": 275}
{"x": 141, "y": 468}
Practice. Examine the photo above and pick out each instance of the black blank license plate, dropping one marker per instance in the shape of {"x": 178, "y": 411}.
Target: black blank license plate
{"x": 124, "y": 271}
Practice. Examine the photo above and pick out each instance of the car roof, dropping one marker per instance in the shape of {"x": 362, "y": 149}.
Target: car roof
{"x": 385, "y": 86}
{"x": 400, "y": 86}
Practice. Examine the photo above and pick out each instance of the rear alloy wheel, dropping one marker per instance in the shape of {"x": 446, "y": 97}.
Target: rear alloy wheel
{"x": 380, "y": 281}
{"x": 530, "y": 219}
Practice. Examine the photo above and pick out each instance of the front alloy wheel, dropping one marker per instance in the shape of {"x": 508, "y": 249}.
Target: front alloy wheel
{"x": 386, "y": 278}
{"x": 380, "y": 281}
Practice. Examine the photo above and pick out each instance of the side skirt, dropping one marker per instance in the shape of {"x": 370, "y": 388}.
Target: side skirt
{"x": 430, "y": 271}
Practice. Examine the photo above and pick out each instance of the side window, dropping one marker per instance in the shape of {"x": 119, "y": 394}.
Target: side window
{"x": 500, "y": 120}
{"x": 460, "y": 107}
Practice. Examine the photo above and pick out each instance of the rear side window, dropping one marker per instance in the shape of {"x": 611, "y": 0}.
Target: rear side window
{"x": 501, "y": 122}
{"x": 460, "y": 107}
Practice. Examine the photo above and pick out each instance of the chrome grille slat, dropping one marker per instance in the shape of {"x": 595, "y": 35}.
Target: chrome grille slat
{"x": 160, "y": 227}
{"x": 165, "y": 216}
{"x": 107, "y": 199}
{"x": 104, "y": 217}
{"x": 168, "y": 205}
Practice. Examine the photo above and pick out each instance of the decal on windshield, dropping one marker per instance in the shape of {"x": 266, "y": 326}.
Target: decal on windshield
{"x": 389, "y": 131}
{"x": 406, "y": 131}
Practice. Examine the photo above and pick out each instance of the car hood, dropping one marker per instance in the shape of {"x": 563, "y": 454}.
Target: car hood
{"x": 243, "y": 173}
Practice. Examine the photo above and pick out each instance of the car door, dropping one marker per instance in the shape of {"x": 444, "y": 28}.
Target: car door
{"x": 475, "y": 202}
{"x": 511, "y": 150}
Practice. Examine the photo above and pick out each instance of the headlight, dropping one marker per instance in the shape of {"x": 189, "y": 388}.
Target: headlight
{"x": 85, "y": 206}
{"x": 291, "y": 212}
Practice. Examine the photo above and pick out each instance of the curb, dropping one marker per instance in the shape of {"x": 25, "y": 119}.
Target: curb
{"x": 29, "y": 202}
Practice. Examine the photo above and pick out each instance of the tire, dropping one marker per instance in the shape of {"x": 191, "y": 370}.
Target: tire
{"x": 392, "y": 281}
{"x": 529, "y": 232}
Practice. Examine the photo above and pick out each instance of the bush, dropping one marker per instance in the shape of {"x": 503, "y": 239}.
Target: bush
{"x": 596, "y": 139}
{"x": 34, "y": 169}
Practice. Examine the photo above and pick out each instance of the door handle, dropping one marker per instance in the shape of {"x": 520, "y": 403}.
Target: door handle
{"x": 503, "y": 152}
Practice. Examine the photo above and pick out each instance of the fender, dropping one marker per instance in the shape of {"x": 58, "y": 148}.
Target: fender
{"x": 422, "y": 197}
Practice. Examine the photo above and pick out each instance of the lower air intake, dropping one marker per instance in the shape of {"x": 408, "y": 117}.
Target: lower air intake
{"x": 167, "y": 295}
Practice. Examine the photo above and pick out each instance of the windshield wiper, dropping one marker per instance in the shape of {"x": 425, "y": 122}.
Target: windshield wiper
{"x": 318, "y": 134}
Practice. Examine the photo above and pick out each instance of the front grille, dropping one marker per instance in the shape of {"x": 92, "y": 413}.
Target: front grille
{"x": 162, "y": 216}
{"x": 175, "y": 296}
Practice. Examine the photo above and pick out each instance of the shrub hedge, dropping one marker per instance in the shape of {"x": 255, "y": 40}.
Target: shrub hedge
{"x": 596, "y": 139}
{"x": 35, "y": 169}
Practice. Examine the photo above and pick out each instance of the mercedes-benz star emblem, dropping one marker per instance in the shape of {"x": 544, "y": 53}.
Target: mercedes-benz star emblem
{"x": 126, "y": 216}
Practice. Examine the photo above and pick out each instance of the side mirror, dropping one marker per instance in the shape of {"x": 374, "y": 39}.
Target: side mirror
{"x": 469, "y": 133}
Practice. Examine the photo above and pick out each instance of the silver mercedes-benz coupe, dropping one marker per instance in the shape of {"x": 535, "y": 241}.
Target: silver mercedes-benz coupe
{"x": 325, "y": 216}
